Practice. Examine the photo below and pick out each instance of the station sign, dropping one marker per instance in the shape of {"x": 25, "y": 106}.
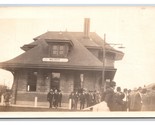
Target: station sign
{"x": 54, "y": 59}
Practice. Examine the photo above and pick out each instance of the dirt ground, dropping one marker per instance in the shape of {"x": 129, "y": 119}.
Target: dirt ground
{"x": 34, "y": 109}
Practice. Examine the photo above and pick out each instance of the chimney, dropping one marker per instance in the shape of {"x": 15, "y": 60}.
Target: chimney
{"x": 86, "y": 27}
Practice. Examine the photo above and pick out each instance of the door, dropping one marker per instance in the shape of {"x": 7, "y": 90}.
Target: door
{"x": 78, "y": 82}
{"x": 55, "y": 81}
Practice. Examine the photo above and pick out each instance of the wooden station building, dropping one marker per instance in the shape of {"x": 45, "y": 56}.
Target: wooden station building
{"x": 66, "y": 61}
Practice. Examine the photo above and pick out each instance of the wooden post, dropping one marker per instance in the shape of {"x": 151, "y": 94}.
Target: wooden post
{"x": 2, "y": 99}
{"x": 35, "y": 101}
{"x": 70, "y": 104}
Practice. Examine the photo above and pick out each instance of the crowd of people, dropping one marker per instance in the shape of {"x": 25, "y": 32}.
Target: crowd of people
{"x": 148, "y": 99}
{"x": 54, "y": 97}
{"x": 141, "y": 99}
{"x": 84, "y": 98}
{"x": 114, "y": 99}
{"x": 138, "y": 99}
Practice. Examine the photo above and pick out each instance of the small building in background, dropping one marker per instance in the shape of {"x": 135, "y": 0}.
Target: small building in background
{"x": 67, "y": 61}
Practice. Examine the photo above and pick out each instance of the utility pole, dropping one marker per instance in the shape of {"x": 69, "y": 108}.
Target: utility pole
{"x": 103, "y": 69}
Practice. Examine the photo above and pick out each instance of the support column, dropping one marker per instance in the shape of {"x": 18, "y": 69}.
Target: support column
{"x": 2, "y": 99}
{"x": 41, "y": 82}
{"x": 14, "y": 87}
{"x": 48, "y": 82}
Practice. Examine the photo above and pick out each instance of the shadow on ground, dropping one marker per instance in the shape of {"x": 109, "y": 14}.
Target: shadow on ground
{"x": 35, "y": 109}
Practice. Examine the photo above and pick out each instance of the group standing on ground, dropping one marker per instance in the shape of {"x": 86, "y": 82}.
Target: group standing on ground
{"x": 141, "y": 99}
{"x": 148, "y": 99}
{"x": 54, "y": 97}
{"x": 84, "y": 99}
{"x": 122, "y": 101}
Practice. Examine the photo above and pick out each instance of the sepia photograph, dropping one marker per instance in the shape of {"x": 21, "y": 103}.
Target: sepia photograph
{"x": 77, "y": 62}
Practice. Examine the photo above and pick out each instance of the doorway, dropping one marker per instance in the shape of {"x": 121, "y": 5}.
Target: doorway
{"x": 55, "y": 81}
{"x": 78, "y": 82}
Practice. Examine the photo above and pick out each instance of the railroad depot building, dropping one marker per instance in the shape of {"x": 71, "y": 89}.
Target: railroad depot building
{"x": 66, "y": 61}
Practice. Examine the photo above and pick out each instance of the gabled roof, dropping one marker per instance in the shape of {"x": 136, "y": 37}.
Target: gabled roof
{"x": 94, "y": 41}
{"x": 80, "y": 58}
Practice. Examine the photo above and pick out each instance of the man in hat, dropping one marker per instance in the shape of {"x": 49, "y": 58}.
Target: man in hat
{"x": 55, "y": 98}
{"x": 118, "y": 100}
{"x": 50, "y": 96}
{"x": 109, "y": 94}
{"x": 135, "y": 100}
{"x": 146, "y": 100}
{"x": 82, "y": 100}
{"x": 59, "y": 98}
{"x": 125, "y": 99}
{"x": 151, "y": 99}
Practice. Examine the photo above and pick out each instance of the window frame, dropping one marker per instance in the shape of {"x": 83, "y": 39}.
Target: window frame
{"x": 60, "y": 52}
{"x": 32, "y": 86}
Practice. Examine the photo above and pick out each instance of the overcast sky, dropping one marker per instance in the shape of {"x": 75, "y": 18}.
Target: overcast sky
{"x": 132, "y": 26}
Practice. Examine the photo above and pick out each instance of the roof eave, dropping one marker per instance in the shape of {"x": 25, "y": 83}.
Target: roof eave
{"x": 27, "y": 47}
{"x": 118, "y": 54}
{"x": 17, "y": 66}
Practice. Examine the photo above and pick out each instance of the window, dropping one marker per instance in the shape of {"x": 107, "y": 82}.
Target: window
{"x": 61, "y": 50}
{"x": 78, "y": 81}
{"x": 55, "y": 50}
{"x": 32, "y": 81}
{"x": 58, "y": 50}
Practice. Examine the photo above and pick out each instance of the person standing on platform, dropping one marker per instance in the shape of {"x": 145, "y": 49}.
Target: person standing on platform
{"x": 125, "y": 100}
{"x": 55, "y": 97}
{"x": 135, "y": 100}
{"x": 59, "y": 98}
{"x": 118, "y": 100}
{"x": 146, "y": 100}
{"x": 98, "y": 97}
{"x": 76, "y": 97}
{"x": 82, "y": 100}
{"x": 109, "y": 95}
{"x": 71, "y": 101}
{"x": 50, "y": 98}
{"x": 88, "y": 100}
{"x": 151, "y": 96}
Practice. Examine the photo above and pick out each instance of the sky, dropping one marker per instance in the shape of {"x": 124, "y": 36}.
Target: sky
{"x": 132, "y": 26}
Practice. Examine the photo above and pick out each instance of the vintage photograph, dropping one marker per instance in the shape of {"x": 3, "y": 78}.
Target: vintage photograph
{"x": 77, "y": 61}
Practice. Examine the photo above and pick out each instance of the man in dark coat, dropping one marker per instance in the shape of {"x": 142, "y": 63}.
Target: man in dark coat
{"x": 88, "y": 101}
{"x": 151, "y": 99}
{"x": 82, "y": 100}
{"x": 59, "y": 98}
{"x": 50, "y": 98}
{"x": 76, "y": 96}
{"x": 55, "y": 97}
{"x": 109, "y": 94}
{"x": 91, "y": 98}
{"x": 118, "y": 100}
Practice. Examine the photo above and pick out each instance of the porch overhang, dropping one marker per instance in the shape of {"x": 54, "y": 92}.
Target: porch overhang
{"x": 110, "y": 73}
